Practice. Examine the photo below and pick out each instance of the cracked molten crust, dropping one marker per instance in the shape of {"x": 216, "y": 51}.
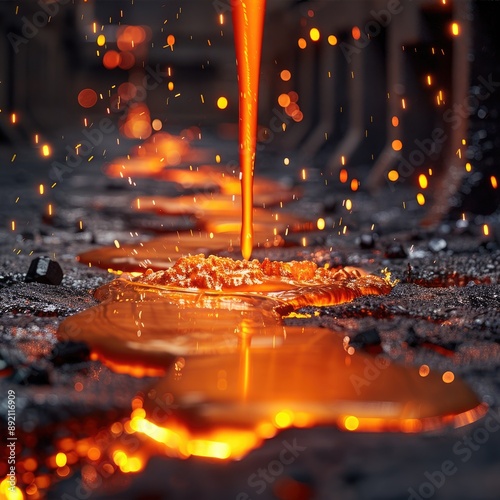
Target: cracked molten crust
{"x": 222, "y": 273}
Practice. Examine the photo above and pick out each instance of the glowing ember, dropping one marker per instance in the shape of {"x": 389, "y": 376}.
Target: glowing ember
{"x": 285, "y": 75}
{"x": 332, "y": 40}
{"x": 314, "y": 34}
{"x": 222, "y": 102}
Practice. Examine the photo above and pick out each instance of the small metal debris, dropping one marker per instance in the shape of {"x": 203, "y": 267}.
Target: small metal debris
{"x": 44, "y": 270}
{"x": 437, "y": 245}
{"x": 366, "y": 241}
{"x": 367, "y": 340}
{"x": 69, "y": 353}
{"x": 395, "y": 251}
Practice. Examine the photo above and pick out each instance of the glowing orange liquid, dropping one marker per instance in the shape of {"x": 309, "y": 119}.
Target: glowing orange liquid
{"x": 248, "y": 21}
{"x": 139, "y": 328}
{"x": 237, "y": 374}
{"x": 227, "y": 404}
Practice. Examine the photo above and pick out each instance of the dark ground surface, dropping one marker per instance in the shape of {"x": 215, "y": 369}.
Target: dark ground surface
{"x": 444, "y": 312}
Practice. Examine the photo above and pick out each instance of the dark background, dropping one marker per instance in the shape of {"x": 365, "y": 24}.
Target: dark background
{"x": 348, "y": 93}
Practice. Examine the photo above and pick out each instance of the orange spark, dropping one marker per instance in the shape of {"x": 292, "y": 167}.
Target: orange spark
{"x": 314, "y": 34}
{"x": 422, "y": 181}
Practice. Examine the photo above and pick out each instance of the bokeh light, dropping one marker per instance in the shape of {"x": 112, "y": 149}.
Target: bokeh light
{"x": 87, "y": 98}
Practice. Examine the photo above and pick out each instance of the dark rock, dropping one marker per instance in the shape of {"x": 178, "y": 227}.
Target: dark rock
{"x": 416, "y": 235}
{"x": 395, "y": 251}
{"x": 330, "y": 204}
{"x": 11, "y": 357}
{"x": 412, "y": 339}
{"x": 6, "y": 281}
{"x": 353, "y": 475}
{"x": 437, "y": 245}
{"x": 5, "y": 365}
{"x": 366, "y": 340}
{"x": 444, "y": 229}
{"x": 463, "y": 227}
{"x": 366, "y": 241}
{"x": 69, "y": 352}
{"x": 31, "y": 375}
{"x": 5, "y": 369}
{"x": 488, "y": 246}
{"x": 28, "y": 235}
{"x": 337, "y": 259}
{"x": 44, "y": 270}
{"x": 57, "y": 221}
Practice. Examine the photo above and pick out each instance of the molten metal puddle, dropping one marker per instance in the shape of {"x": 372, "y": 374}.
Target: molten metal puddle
{"x": 140, "y": 328}
{"x": 225, "y": 405}
{"x": 160, "y": 151}
{"x": 218, "y": 217}
{"x": 234, "y": 374}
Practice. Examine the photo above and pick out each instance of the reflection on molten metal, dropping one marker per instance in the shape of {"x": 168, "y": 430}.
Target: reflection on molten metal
{"x": 206, "y": 305}
{"x": 307, "y": 380}
{"x": 237, "y": 375}
{"x": 163, "y": 252}
{"x": 160, "y": 151}
{"x": 137, "y": 123}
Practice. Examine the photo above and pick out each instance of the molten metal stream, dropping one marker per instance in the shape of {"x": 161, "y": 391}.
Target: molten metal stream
{"x": 248, "y": 20}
